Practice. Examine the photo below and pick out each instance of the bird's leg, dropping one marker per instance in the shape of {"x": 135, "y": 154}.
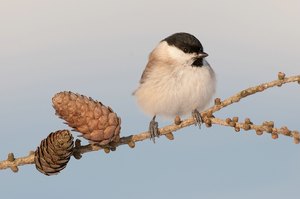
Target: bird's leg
{"x": 197, "y": 117}
{"x": 153, "y": 129}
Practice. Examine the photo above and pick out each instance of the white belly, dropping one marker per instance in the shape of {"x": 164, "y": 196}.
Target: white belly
{"x": 178, "y": 92}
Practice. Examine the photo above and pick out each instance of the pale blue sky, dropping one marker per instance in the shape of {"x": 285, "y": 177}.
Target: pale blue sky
{"x": 99, "y": 48}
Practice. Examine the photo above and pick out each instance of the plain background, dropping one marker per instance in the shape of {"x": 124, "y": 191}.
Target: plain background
{"x": 99, "y": 48}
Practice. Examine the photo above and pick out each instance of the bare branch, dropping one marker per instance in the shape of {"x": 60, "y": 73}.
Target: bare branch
{"x": 208, "y": 118}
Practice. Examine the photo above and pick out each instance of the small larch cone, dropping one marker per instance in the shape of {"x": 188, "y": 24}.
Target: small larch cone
{"x": 54, "y": 152}
{"x": 94, "y": 120}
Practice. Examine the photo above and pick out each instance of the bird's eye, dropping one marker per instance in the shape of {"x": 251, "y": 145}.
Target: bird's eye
{"x": 185, "y": 50}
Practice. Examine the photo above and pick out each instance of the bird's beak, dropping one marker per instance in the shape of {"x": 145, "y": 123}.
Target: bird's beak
{"x": 202, "y": 55}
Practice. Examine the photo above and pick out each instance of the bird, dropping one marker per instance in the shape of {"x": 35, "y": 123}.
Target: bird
{"x": 176, "y": 81}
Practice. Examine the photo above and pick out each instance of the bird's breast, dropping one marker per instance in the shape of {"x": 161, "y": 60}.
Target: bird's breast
{"x": 176, "y": 90}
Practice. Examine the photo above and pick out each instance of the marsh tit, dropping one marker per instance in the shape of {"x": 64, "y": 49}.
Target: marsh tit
{"x": 177, "y": 80}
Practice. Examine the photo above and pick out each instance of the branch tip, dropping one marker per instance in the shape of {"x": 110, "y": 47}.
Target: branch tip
{"x": 246, "y": 126}
{"x": 14, "y": 169}
{"x": 106, "y": 150}
{"x": 259, "y": 132}
{"x": 248, "y": 121}
{"x": 208, "y": 122}
{"x": 244, "y": 93}
{"x": 170, "y": 136}
{"x": 232, "y": 124}
{"x": 177, "y": 120}
{"x": 131, "y": 144}
{"x": 217, "y": 101}
{"x": 237, "y": 129}
{"x": 10, "y": 157}
{"x": 228, "y": 120}
{"x": 274, "y": 136}
{"x": 235, "y": 119}
{"x": 281, "y": 76}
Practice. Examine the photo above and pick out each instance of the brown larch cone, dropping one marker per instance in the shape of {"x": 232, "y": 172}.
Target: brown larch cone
{"x": 94, "y": 120}
{"x": 54, "y": 152}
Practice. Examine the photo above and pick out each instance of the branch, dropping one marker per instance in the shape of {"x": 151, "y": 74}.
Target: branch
{"x": 208, "y": 118}
{"x": 13, "y": 163}
{"x": 252, "y": 90}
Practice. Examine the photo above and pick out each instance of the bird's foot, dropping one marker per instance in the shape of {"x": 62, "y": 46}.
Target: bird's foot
{"x": 197, "y": 117}
{"x": 153, "y": 129}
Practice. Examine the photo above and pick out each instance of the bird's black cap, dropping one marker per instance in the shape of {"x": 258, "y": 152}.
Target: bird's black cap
{"x": 185, "y": 42}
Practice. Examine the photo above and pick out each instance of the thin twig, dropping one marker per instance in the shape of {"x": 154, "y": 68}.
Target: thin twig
{"x": 13, "y": 163}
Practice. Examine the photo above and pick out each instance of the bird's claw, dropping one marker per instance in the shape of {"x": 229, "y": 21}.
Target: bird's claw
{"x": 197, "y": 117}
{"x": 153, "y": 129}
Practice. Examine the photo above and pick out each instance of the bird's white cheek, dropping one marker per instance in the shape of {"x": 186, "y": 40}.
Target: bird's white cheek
{"x": 179, "y": 57}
